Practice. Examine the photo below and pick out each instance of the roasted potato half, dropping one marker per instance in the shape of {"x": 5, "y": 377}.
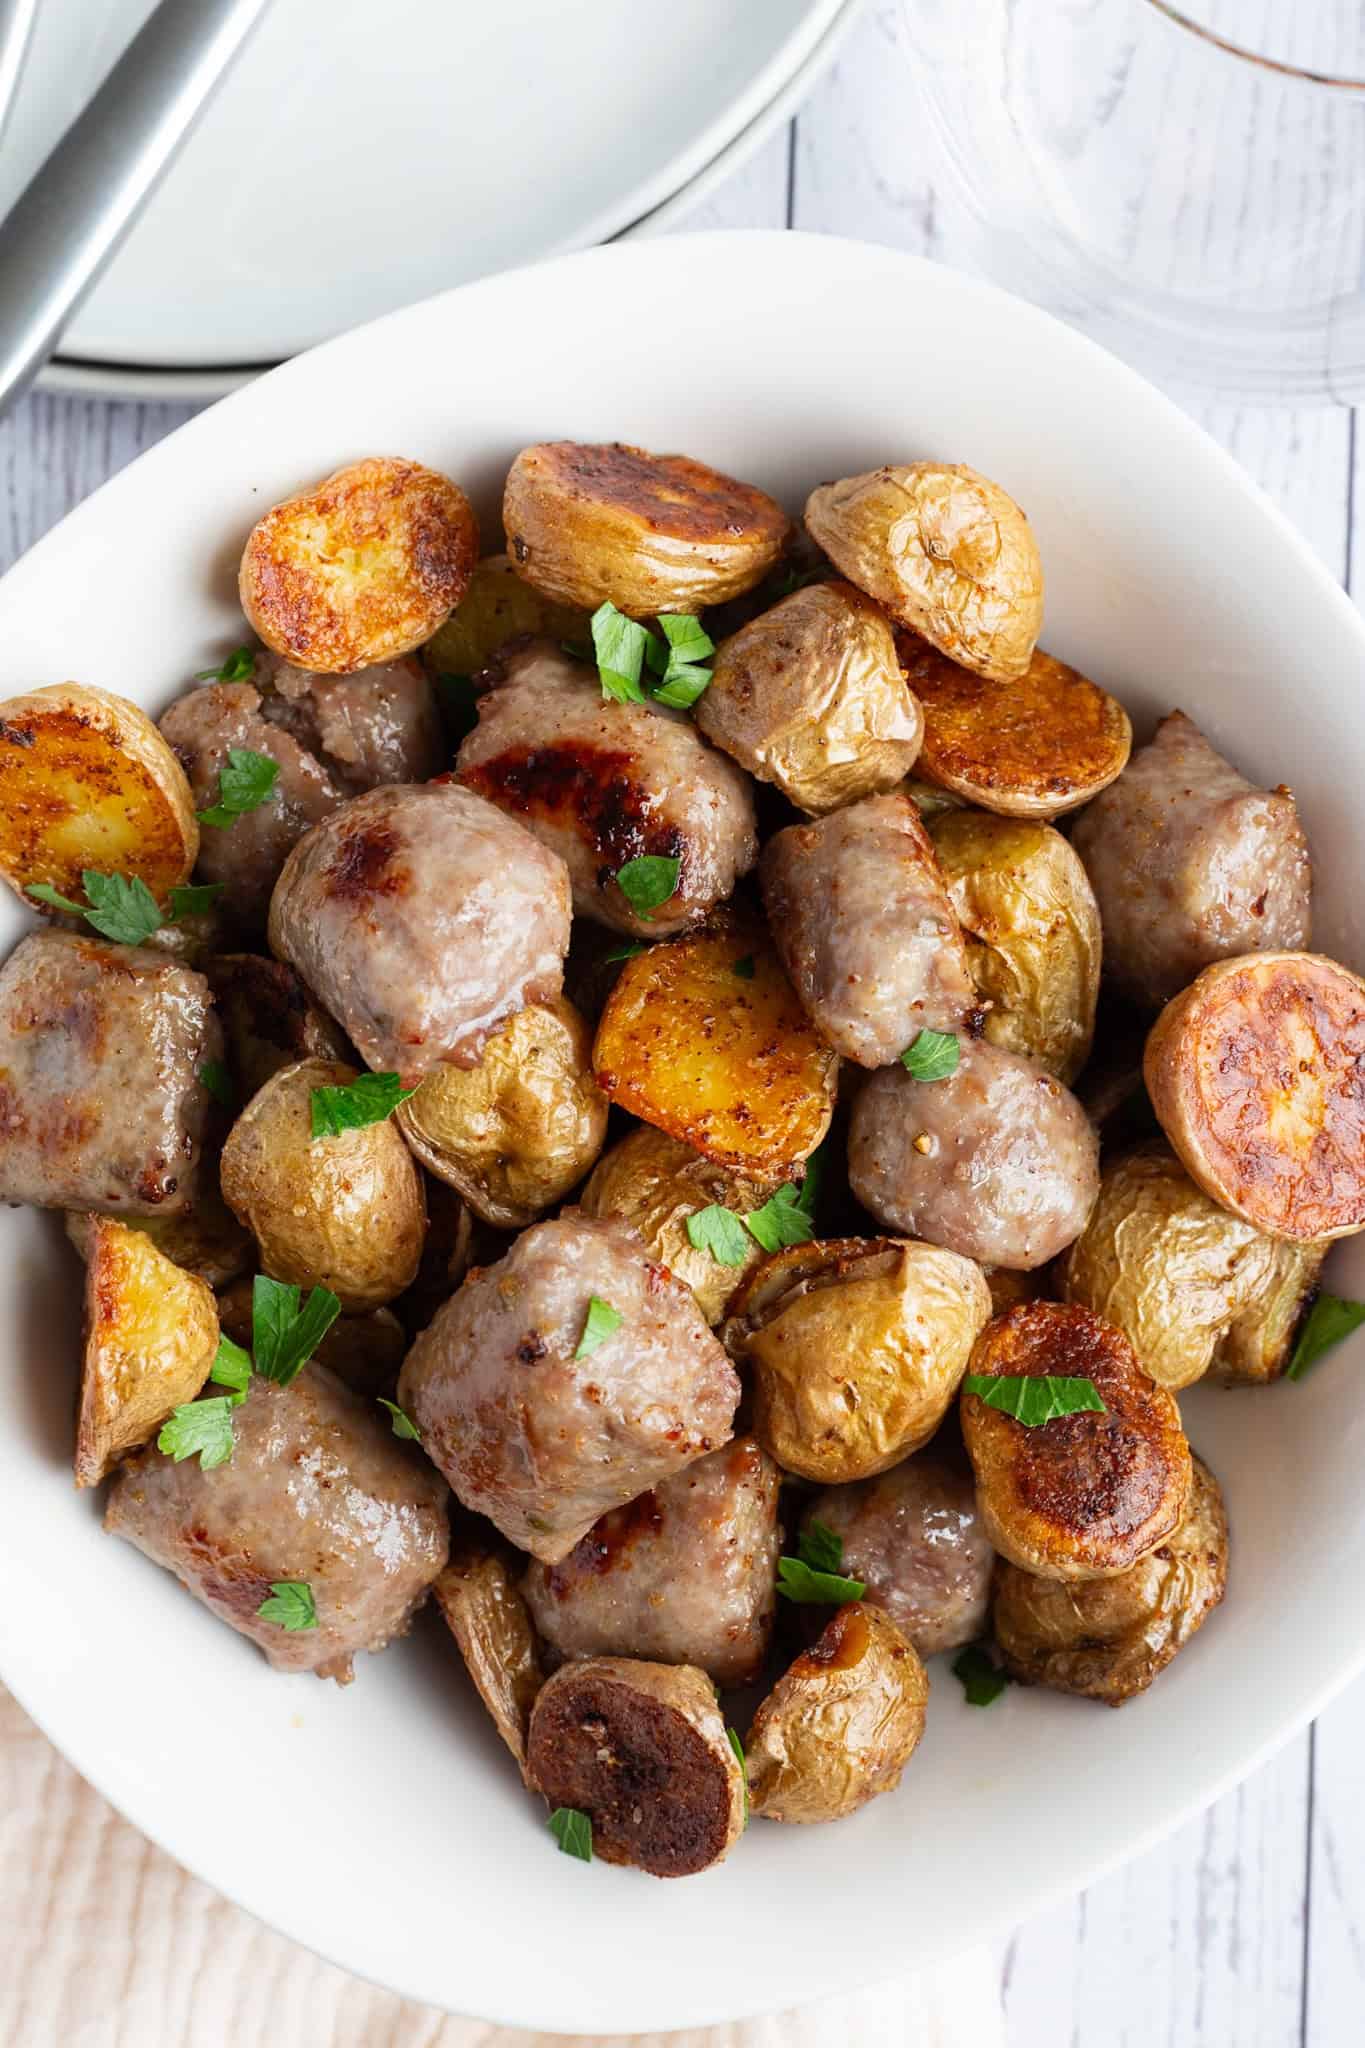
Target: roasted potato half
{"x": 86, "y": 781}
{"x": 364, "y": 1351}
{"x": 1259, "y": 1343}
{"x": 515, "y": 1133}
{"x": 497, "y": 606}
{"x": 361, "y": 568}
{"x": 1040, "y": 745}
{"x": 654, "y": 533}
{"x": 1088, "y": 1494}
{"x": 657, "y": 1185}
{"x": 206, "y": 1239}
{"x": 269, "y": 1019}
{"x": 857, "y": 1348}
{"x": 1107, "y": 1639}
{"x": 841, "y": 1724}
{"x": 945, "y": 552}
{"x": 484, "y": 1611}
{"x": 151, "y": 1332}
{"x": 344, "y": 1212}
{"x": 1257, "y": 1075}
{"x": 727, "y": 1064}
{"x": 1032, "y": 930}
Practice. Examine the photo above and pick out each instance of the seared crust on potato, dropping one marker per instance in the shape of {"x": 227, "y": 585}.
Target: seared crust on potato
{"x": 87, "y": 781}
{"x": 484, "y": 1611}
{"x": 151, "y": 1332}
{"x": 1042, "y": 744}
{"x": 653, "y": 533}
{"x": 656, "y": 1184}
{"x": 497, "y": 606}
{"x": 946, "y": 552}
{"x": 1256, "y": 1072}
{"x": 1087, "y": 1495}
{"x": 361, "y": 568}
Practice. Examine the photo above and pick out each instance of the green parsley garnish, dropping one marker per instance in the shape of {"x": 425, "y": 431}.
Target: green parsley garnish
{"x": 619, "y": 646}
{"x": 244, "y": 783}
{"x": 982, "y": 1679}
{"x": 290, "y": 1604}
{"x": 598, "y": 1325}
{"x": 403, "y": 1424}
{"x": 573, "y": 1832}
{"x": 1035, "y": 1400}
{"x": 1330, "y": 1320}
{"x": 192, "y": 899}
{"x": 121, "y": 907}
{"x": 235, "y": 669}
{"x": 231, "y": 1368}
{"x": 626, "y": 951}
{"x": 720, "y": 1232}
{"x": 812, "y": 1576}
{"x": 283, "y": 1335}
{"x": 687, "y": 645}
{"x": 649, "y": 881}
{"x": 215, "y": 1077}
{"x": 821, "y": 1547}
{"x": 369, "y": 1099}
{"x": 784, "y": 1219}
{"x": 202, "y": 1428}
{"x": 732, "y": 1736}
{"x": 744, "y": 968}
{"x": 623, "y": 649}
{"x": 931, "y": 1056}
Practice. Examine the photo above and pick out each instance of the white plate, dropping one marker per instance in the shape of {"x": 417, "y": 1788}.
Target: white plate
{"x": 357, "y": 159}
{"x": 384, "y": 1826}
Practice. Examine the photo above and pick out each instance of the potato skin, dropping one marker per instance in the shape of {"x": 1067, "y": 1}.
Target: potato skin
{"x": 857, "y": 1347}
{"x": 1032, "y": 931}
{"x": 654, "y": 1183}
{"x": 515, "y": 1133}
{"x": 1108, "y": 1639}
{"x": 497, "y": 606}
{"x": 484, "y": 1611}
{"x": 810, "y": 697}
{"x": 344, "y": 1212}
{"x": 842, "y": 1723}
{"x": 1257, "y": 1075}
{"x": 1088, "y": 1495}
{"x": 361, "y": 568}
{"x": 206, "y": 1239}
{"x": 653, "y": 533}
{"x": 1259, "y": 1342}
{"x": 946, "y": 552}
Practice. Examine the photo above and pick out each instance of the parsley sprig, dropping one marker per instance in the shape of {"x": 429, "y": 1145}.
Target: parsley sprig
{"x": 245, "y": 781}
{"x": 981, "y": 1677}
{"x": 284, "y": 1337}
{"x": 813, "y": 1577}
{"x": 123, "y": 908}
{"x": 785, "y": 1218}
{"x": 931, "y": 1056}
{"x": 291, "y": 1604}
{"x": 626, "y": 653}
{"x": 369, "y": 1099}
{"x": 600, "y": 1322}
{"x": 1034, "y": 1399}
{"x": 573, "y": 1832}
{"x": 649, "y": 881}
{"x": 235, "y": 669}
{"x": 1329, "y": 1322}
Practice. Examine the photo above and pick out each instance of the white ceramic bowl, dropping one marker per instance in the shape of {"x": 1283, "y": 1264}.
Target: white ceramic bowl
{"x": 384, "y": 1825}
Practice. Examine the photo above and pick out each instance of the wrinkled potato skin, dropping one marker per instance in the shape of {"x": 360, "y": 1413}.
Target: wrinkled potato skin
{"x": 810, "y": 697}
{"x": 497, "y": 606}
{"x": 364, "y": 1351}
{"x": 857, "y": 1347}
{"x": 1108, "y": 1640}
{"x": 946, "y": 552}
{"x": 1032, "y": 929}
{"x": 206, "y": 1239}
{"x": 269, "y": 1019}
{"x": 653, "y": 533}
{"x": 654, "y": 1183}
{"x": 515, "y": 1133}
{"x": 484, "y": 1611}
{"x": 345, "y": 1212}
{"x": 1259, "y": 1343}
{"x": 840, "y": 1726}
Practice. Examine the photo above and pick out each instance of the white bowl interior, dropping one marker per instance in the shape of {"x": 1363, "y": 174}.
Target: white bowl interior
{"x": 383, "y": 1825}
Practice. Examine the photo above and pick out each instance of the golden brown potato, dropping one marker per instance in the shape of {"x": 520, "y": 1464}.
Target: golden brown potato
{"x": 1257, "y": 1075}
{"x": 151, "y": 1332}
{"x": 1108, "y": 1639}
{"x": 269, "y": 1020}
{"x": 841, "y": 1724}
{"x": 1088, "y": 1494}
{"x": 86, "y": 781}
{"x": 365, "y": 1351}
{"x": 1032, "y": 927}
{"x": 345, "y": 1212}
{"x": 515, "y": 1133}
{"x": 1260, "y": 1341}
{"x": 498, "y": 606}
{"x": 857, "y": 1348}
{"x": 654, "y": 533}
{"x": 1178, "y": 1275}
{"x": 655, "y": 1184}
{"x": 730, "y": 1066}
{"x": 810, "y": 697}
{"x": 361, "y": 568}
{"x": 946, "y": 552}
{"x": 206, "y": 1239}
{"x": 1033, "y": 748}
{"x": 484, "y": 1611}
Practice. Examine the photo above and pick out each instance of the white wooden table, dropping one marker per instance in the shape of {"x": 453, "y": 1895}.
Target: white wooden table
{"x": 1247, "y": 1928}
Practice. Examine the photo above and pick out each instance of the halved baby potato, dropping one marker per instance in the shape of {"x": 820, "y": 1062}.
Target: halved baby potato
{"x": 151, "y": 1332}
{"x": 1256, "y": 1072}
{"x": 653, "y": 533}
{"x": 479, "y": 1597}
{"x": 1035, "y": 747}
{"x": 498, "y": 606}
{"x": 86, "y": 781}
{"x": 726, "y": 1062}
{"x": 205, "y": 1239}
{"x": 361, "y": 568}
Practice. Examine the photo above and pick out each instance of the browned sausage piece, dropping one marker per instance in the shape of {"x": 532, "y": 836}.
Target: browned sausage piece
{"x": 686, "y": 1574}
{"x": 376, "y": 726}
{"x": 269, "y": 1020}
{"x": 914, "y": 1538}
{"x": 477, "y": 1594}
{"x": 101, "y": 1047}
{"x": 642, "y": 1750}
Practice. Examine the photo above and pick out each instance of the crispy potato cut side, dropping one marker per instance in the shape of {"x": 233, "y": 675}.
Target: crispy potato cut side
{"x": 361, "y": 568}
{"x": 1034, "y": 747}
{"x": 728, "y": 1065}
{"x": 484, "y": 1611}
{"x": 1257, "y": 1075}
{"x": 654, "y": 533}
{"x": 86, "y": 781}
{"x": 151, "y": 1331}
{"x": 498, "y": 606}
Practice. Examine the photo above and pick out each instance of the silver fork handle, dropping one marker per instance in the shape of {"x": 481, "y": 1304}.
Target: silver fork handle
{"x": 65, "y": 226}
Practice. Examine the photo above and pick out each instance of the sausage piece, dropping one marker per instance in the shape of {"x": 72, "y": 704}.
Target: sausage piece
{"x": 860, "y": 914}
{"x": 538, "y": 1438}
{"x": 1191, "y": 864}
{"x": 101, "y": 1048}
{"x": 685, "y": 1574}
{"x": 998, "y": 1161}
{"x": 914, "y": 1538}
{"x": 317, "y": 1491}
{"x": 376, "y": 726}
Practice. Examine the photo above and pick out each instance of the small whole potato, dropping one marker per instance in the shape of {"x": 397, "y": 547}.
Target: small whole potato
{"x": 515, "y": 1133}
{"x": 497, "y": 606}
{"x": 657, "y": 1184}
{"x": 857, "y": 1347}
{"x": 343, "y": 1212}
{"x": 841, "y": 1724}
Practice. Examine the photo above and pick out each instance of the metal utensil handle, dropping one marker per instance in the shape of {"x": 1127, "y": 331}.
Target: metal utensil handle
{"x": 67, "y": 223}
{"x": 16, "y": 29}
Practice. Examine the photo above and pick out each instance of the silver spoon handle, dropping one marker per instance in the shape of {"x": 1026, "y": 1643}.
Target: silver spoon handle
{"x": 66, "y": 225}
